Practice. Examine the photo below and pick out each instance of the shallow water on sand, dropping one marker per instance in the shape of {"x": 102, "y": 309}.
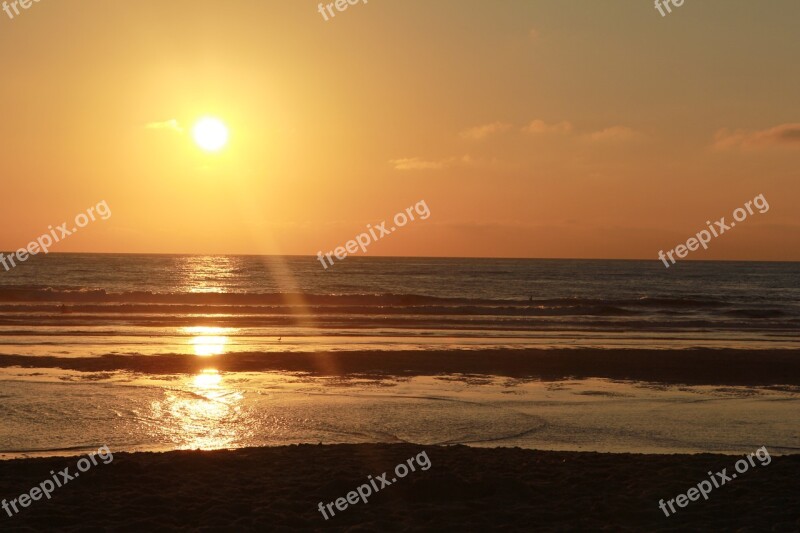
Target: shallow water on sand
{"x": 211, "y": 410}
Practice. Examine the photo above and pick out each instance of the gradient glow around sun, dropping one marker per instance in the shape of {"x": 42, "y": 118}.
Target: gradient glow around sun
{"x": 210, "y": 134}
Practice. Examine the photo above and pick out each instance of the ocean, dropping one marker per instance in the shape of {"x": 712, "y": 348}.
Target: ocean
{"x": 159, "y": 352}
{"x": 83, "y": 304}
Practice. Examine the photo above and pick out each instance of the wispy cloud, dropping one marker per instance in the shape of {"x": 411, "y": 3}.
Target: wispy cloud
{"x": 540, "y": 126}
{"x": 487, "y": 130}
{"x": 783, "y": 135}
{"x": 615, "y": 134}
{"x": 417, "y": 163}
{"x": 166, "y": 125}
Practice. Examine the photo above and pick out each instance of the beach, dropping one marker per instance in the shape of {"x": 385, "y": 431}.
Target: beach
{"x": 245, "y": 407}
{"x": 465, "y": 489}
{"x": 417, "y": 266}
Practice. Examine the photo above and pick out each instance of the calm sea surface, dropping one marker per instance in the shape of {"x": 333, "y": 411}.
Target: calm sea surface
{"x": 65, "y": 304}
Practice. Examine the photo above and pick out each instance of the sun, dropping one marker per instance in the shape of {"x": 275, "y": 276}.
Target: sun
{"x": 210, "y": 134}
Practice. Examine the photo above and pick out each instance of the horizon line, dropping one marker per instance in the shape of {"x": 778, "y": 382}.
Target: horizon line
{"x": 420, "y": 257}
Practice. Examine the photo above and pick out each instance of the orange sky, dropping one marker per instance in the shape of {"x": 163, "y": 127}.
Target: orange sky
{"x": 531, "y": 128}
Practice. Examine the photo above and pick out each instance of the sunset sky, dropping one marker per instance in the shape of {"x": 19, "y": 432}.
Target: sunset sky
{"x": 531, "y": 128}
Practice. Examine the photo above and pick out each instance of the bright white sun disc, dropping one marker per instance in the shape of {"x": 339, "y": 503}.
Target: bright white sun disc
{"x": 210, "y": 134}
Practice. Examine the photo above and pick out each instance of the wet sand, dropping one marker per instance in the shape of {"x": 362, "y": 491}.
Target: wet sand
{"x": 699, "y": 366}
{"x": 467, "y": 489}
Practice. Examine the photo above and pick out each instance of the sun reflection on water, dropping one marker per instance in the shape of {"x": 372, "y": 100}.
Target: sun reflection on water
{"x": 207, "y": 274}
{"x": 206, "y": 415}
{"x": 208, "y": 341}
{"x": 208, "y": 379}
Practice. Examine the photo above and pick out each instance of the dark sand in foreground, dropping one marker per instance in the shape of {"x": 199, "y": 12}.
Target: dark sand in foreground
{"x": 472, "y": 489}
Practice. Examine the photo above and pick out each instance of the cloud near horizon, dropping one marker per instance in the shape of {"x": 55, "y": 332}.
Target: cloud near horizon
{"x": 487, "y": 130}
{"x": 783, "y": 135}
{"x": 540, "y": 126}
{"x": 615, "y": 134}
{"x": 611, "y": 134}
{"x": 417, "y": 163}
